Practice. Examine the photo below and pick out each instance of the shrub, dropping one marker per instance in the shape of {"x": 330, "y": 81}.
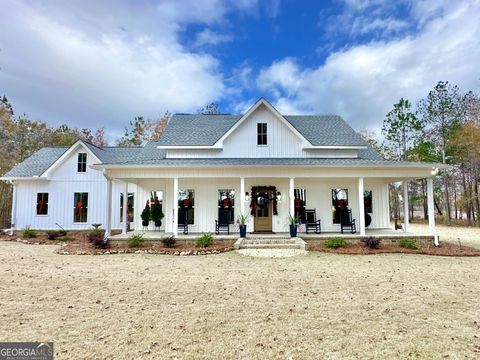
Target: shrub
{"x": 65, "y": 238}
{"x": 96, "y": 235}
{"x": 371, "y": 242}
{"x": 135, "y": 240}
{"x": 169, "y": 241}
{"x": 408, "y": 244}
{"x": 53, "y": 235}
{"x": 335, "y": 243}
{"x": 29, "y": 233}
{"x": 205, "y": 240}
{"x": 100, "y": 242}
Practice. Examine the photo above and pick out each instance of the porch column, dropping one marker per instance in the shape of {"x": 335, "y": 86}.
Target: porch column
{"x": 361, "y": 207}
{"x": 406, "y": 215}
{"x": 125, "y": 208}
{"x": 291, "y": 195}
{"x": 242, "y": 196}
{"x": 14, "y": 208}
{"x": 108, "y": 215}
{"x": 431, "y": 211}
{"x": 175, "y": 207}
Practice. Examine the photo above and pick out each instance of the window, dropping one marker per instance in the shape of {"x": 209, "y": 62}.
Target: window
{"x": 82, "y": 162}
{"x": 261, "y": 134}
{"x": 130, "y": 200}
{"x": 226, "y": 205}
{"x": 300, "y": 200}
{"x": 80, "y": 207}
{"x": 339, "y": 204}
{"x": 42, "y": 203}
{"x": 186, "y": 205}
{"x": 367, "y": 201}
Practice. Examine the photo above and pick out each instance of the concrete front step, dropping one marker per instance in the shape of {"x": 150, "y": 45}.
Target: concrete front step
{"x": 270, "y": 246}
{"x": 270, "y": 243}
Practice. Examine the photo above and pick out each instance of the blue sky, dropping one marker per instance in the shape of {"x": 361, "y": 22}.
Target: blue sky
{"x": 90, "y": 63}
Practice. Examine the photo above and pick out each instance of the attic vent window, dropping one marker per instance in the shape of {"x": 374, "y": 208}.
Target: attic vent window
{"x": 82, "y": 162}
{"x": 261, "y": 134}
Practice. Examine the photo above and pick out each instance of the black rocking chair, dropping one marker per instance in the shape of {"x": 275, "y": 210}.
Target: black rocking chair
{"x": 311, "y": 222}
{"x": 223, "y": 222}
{"x": 183, "y": 221}
{"x": 347, "y": 222}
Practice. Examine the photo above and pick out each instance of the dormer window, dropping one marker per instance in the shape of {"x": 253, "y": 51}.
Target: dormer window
{"x": 261, "y": 134}
{"x": 82, "y": 162}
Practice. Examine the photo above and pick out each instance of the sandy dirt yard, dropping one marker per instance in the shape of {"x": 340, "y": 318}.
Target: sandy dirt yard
{"x": 230, "y": 306}
{"x": 468, "y": 236}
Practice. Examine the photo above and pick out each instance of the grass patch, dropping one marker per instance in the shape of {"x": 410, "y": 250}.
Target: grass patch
{"x": 135, "y": 240}
{"x": 335, "y": 243}
{"x": 205, "y": 240}
{"x": 408, "y": 243}
{"x": 29, "y": 233}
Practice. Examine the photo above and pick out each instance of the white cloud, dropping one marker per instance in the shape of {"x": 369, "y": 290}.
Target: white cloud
{"x": 95, "y": 63}
{"x": 363, "y": 82}
{"x": 208, "y": 37}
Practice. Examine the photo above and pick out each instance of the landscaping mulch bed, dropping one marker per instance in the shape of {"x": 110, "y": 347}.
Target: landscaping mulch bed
{"x": 41, "y": 238}
{"x": 117, "y": 247}
{"x": 445, "y": 249}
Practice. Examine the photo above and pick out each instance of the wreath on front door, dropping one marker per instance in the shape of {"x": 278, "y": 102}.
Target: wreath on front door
{"x": 256, "y": 191}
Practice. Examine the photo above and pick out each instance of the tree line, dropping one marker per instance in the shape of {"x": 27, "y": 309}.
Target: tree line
{"x": 442, "y": 127}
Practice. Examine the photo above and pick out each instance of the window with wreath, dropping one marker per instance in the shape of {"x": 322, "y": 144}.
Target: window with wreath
{"x": 80, "y": 207}
{"x": 82, "y": 162}
{"x": 300, "y": 200}
{"x": 226, "y": 206}
{"x": 339, "y": 204}
{"x": 130, "y": 202}
{"x": 186, "y": 206}
{"x": 42, "y": 203}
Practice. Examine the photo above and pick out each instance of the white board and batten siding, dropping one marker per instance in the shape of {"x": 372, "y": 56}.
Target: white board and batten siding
{"x": 282, "y": 142}
{"x": 63, "y": 182}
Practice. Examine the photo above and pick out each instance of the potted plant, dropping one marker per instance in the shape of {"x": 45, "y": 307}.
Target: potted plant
{"x": 145, "y": 215}
{"x": 293, "y": 220}
{"x": 242, "y": 221}
{"x": 156, "y": 213}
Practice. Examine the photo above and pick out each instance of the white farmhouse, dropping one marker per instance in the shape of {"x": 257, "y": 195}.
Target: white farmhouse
{"x": 216, "y": 167}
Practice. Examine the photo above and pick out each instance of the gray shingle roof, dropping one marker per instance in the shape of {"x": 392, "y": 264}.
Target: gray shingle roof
{"x": 327, "y": 130}
{"x": 197, "y": 129}
{"x": 36, "y": 164}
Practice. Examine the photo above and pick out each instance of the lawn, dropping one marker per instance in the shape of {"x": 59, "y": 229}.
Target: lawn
{"x": 229, "y": 306}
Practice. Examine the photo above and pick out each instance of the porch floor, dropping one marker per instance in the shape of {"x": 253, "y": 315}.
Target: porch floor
{"x": 385, "y": 233}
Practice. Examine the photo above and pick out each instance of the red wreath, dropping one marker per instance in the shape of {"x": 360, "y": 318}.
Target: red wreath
{"x": 226, "y": 203}
{"x": 40, "y": 204}
{"x": 298, "y": 203}
{"x": 79, "y": 207}
{"x": 186, "y": 203}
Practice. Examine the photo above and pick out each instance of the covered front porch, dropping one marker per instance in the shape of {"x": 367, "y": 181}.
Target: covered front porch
{"x": 312, "y": 188}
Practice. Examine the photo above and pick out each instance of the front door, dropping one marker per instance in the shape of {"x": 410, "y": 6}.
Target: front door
{"x": 263, "y": 211}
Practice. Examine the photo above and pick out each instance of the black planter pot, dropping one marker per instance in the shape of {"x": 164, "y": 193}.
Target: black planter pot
{"x": 158, "y": 223}
{"x": 243, "y": 231}
{"x": 145, "y": 223}
{"x": 293, "y": 231}
{"x": 368, "y": 220}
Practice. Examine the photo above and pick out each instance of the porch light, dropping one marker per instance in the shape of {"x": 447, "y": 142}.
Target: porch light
{"x": 279, "y": 196}
{"x": 247, "y": 197}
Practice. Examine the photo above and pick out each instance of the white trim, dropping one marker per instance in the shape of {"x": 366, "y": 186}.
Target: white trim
{"x": 65, "y": 155}
{"x": 189, "y": 147}
{"x": 361, "y": 206}
{"x": 406, "y": 210}
{"x": 175, "y": 207}
{"x": 336, "y": 147}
